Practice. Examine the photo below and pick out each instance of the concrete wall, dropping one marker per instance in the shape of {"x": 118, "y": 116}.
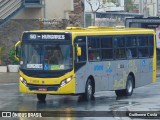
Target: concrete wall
{"x": 76, "y": 16}
{"x": 30, "y": 13}
{"x": 52, "y": 9}
{"x": 58, "y": 8}
{"x": 11, "y": 32}
{"x": 148, "y": 7}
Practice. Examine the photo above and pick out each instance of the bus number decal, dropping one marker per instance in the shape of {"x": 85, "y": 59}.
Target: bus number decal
{"x": 33, "y": 36}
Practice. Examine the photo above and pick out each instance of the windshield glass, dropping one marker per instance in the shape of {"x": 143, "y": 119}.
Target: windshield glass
{"x": 46, "y": 57}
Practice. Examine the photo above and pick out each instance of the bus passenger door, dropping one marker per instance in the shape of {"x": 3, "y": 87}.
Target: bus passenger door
{"x": 80, "y": 67}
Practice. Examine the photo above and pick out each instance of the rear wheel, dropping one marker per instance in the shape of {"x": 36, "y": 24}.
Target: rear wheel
{"x": 129, "y": 88}
{"x": 89, "y": 91}
{"x": 119, "y": 93}
{"x": 41, "y": 97}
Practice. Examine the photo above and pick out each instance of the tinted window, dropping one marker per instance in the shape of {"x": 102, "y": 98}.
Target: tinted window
{"x": 151, "y": 51}
{"x": 150, "y": 40}
{"x": 106, "y": 42}
{"x": 81, "y": 39}
{"x": 131, "y": 41}
{"x": 119, "y": 42}
{"x": 142, "y": 40}
{"x": 151, "y": 44}
{"x": 107, "y": 54}
{"x": 131, "y": 52}
{"x": 94, "y": 55}
{"x": 120, "y": 53}
{"x": 93, "y": 42}
{"x": 143, "y": 52}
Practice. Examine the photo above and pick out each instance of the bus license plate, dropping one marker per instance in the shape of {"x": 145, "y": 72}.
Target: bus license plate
{"x": 42, "y": 89}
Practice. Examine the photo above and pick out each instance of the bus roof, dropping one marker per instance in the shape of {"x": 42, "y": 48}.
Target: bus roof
{"x": 97, "y": 30}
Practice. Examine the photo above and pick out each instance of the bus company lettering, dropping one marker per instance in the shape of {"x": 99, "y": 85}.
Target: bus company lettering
{"x": 98, "y": 68}
{"x": 53, "y": 36}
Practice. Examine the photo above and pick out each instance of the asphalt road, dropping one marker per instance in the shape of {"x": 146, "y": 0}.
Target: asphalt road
{"x": 146, "y": 98}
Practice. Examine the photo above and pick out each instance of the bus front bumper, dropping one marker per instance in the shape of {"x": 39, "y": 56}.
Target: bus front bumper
{"x": 68, "y": 88}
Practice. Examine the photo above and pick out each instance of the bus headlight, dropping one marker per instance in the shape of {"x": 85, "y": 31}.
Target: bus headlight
{"x": 64, "y": 82}
{"x": 23, "y": 81}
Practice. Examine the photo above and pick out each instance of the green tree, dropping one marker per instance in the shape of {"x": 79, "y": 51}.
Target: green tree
{"x": 128, "y": 5}
{"x": 11, "y": 56}
{"x": 113, "y": 1}
{"x": 99, "y": 3}
{"x": 2, "y": 55}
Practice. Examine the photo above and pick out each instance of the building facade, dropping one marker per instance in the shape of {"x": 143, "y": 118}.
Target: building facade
{"x": 17, "y": 16}
{"x": 48, "y": 9}
{"x": 98, "y": 6}
{"x": 147, "y": 7}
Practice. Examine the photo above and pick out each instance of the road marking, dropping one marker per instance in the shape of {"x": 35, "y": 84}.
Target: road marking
{"x": 8, "y": 84}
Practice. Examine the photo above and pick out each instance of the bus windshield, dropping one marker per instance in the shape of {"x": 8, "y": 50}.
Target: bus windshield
{"x": 48, "y": 57}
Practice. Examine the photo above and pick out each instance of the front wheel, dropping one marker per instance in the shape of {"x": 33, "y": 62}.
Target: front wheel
{"x": 129, "y": 88}
{"x": 41, "y": 97}
{"x": 88, "y": 95}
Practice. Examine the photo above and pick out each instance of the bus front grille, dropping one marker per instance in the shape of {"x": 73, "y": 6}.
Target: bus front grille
{"x": 43, "y": 87}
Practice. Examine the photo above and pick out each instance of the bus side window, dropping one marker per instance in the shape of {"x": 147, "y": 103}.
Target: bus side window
{"x": 119, "y": 47}
{"x": 143, "y": 52}
{"x": 94, "y": 48}
{"x": 94, "y": 55}
{"x": 139, "y": 54}
{"x": 90, "y": 55}
{"x": 129, "y": 53}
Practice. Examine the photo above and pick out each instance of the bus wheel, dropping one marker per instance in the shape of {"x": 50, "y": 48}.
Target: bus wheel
{"x": 41, "y": 97}
{"x": 89, "y": 91}
{"x": 119, "y": 93}
{"x": 129, "y": 88}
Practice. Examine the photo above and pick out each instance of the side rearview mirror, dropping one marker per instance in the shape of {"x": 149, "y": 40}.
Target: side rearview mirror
{"x": 79, "y": 51}
{"x": 17, "y": 50}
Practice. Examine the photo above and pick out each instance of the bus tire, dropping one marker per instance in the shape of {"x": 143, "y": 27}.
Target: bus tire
{"x": 119, "y": 93}
{"x": 41, "y": 97}
{"x": 129, "y": 88}
{"x": 89, "y": 91}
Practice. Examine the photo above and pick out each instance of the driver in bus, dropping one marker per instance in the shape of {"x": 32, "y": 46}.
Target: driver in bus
{"x": 56, "y": 57}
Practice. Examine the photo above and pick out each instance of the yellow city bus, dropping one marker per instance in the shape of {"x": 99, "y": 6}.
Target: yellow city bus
{"x": 82, "y": 61}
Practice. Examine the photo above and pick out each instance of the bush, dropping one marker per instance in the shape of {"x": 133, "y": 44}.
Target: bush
{"x": 2, "y": 55}
{"x": 11, "y": 58}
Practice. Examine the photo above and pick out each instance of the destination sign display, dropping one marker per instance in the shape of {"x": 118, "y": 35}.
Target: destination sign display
{"x": 46, "y": 36}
